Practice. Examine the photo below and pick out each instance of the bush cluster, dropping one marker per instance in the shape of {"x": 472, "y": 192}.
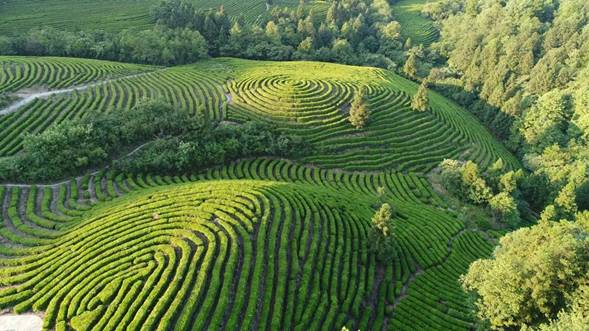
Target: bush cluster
{"x": 174, "y": 141}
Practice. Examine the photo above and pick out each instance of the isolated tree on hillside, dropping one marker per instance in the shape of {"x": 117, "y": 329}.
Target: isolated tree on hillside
{"x": 535, "y": 274}
{"x": 410, "y": 67}
{"x": 359, "y": 111}
{"x": 420, "y": 101}
{"x": 381, "y": 233}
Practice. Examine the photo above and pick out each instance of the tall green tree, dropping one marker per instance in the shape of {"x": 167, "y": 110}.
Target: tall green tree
{"x": 359, "y": 111}
{"x": 420, "y": 101}
{"x": 410, "y": 67}
{"x": 381, "y": 233}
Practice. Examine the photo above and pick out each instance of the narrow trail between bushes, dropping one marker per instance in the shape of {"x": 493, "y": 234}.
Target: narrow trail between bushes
{"x": 404, "y": 290}
{"x": 27, "y": 97}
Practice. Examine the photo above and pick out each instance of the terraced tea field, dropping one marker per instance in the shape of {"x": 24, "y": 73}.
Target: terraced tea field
{"x": 307, "y": 98}
{"x": 258, "y": 244}
{"x": 420, "y": 29}
{"x": 113, "y": 15}
{"x": 255, "y": 244}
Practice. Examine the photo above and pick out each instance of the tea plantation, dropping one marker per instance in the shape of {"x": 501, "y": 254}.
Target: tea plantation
{"x": 258, "y": 244}
{"x": 262, "y": 243}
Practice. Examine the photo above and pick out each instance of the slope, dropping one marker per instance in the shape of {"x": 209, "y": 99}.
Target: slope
{"x": 285, "y": 249}
{"x": 17, "y": 16}
{"x": 310, "y": 99}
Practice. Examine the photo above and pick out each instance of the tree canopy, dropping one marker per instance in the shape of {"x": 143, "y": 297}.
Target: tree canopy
{"x": 537, "y": 275}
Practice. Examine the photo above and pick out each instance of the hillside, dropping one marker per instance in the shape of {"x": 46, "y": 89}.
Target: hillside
{"x": 283, "y": 238}
{"x": 294, "y": 165}
{"x": 310, "y": 99}
{"x": 17, "y": 16}
{"x": 421, "y": 30}
{"x": 259, "y": 230}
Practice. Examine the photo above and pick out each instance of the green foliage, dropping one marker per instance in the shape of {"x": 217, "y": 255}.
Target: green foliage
{"x": 575, "y": 316}
{"x": 161, "y": 45}
{"x": 464, "y": 180}
{"x": 505, "y": 205}
{"x": 182, "y": 143}
{"x": 534, "y": 274}
{"x": 381, "y": 236}
{"x": 420, "y": 101}
{"x": 359, "y": 111}
{"x": 410, "y": 67}
{"x": 352, "y": 32}
{"x": 498, "y": 190}
{"x": 208, "y": 146}
{"x": 526, "y": 76}
{"x": 582, "y": 196}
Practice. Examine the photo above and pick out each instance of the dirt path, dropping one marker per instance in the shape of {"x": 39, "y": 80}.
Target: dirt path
{"x": 404, "y": 290}
{"x": 75, "y": 179}
{"x": 25, "y": 322}
{"x": 229, "y": 98}
{"x": 27, "y": 96}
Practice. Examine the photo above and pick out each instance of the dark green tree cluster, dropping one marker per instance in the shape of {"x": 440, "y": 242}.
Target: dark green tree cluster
{"x": 353, "y": 31}
{"x": 494, "y": 188}
{"x": 161, "y": 45}
{"x": 523, "y": 68}
{"x": 536, "y": 279}
{"x": 171, "y": 142}
{"x": 209, "y": 146}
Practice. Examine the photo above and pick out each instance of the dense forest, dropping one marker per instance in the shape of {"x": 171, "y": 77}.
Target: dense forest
{"x": 523, "y": 68}
{"x": 526, "y": 76}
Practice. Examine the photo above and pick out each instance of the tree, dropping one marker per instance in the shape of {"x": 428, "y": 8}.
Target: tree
{"x": 576, "y": 316}
{"x": 463, "y": 180}
{"x": 381, "y": 233}
{"x": 583, "y": 196}
{"x": 272, "y": 32}
{"x": 566, "y": 201}
{"x": 505, "y": 206}
{"x": 359, "y": 111}
{"x": 410, "y": 67}
{"x": 534, "y": 274}
{"x": 420, "y": 100}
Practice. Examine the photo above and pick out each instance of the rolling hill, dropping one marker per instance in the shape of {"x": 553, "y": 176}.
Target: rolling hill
{"x": 17, "y": 16}
{"x": 307, "y": 98}
{"x": 260, "y": 243}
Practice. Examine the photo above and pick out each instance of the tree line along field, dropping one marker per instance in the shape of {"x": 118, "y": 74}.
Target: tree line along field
{"x": 306, "y": 98}
{"x": 17, "y": 16}
{"x": 257, "y": 244}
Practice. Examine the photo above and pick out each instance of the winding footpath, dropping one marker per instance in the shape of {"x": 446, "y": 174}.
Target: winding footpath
{"x": 27, "y": 98}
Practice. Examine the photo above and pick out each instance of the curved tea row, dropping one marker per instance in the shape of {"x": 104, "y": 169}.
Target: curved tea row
{"x": 306, "y": 98}
{"x": 189, "y": 90}
{"x": 286, "y": 250}
{"x": 302, "y": 99}
{"x": 17, "y": 72}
